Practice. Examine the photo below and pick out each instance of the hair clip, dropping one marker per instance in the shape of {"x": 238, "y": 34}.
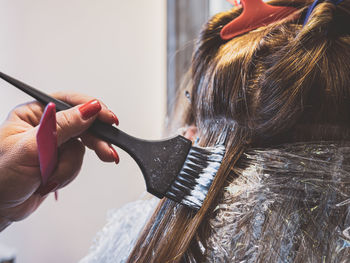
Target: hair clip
{"x": 47, "y": 145}
{"x": 255, "y": 14}
{"x": 314, "y": 4}
{"x": 47, "y": 142}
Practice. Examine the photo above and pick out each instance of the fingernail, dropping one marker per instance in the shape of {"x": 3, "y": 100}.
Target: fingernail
{"x": 48, "y": 188}
{"x": 90, "y": 109}
{"x": 114, "y": 154}
{"x": 116, "y": 121}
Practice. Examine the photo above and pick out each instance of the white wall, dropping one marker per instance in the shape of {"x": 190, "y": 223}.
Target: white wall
{"x": 111, "y": 49}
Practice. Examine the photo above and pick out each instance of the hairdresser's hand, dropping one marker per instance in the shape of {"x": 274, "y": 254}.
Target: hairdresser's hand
{"x": 20, "y": 177}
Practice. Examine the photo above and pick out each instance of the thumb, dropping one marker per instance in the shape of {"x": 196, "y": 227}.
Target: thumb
{"x": 73, "y": 122}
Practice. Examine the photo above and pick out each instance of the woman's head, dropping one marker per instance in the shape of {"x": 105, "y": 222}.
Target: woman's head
{"x": 283, "y": 82}
{"x": 277, "y": 78}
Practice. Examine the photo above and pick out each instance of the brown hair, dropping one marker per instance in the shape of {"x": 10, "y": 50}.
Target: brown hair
{"x": 284, "y": 82}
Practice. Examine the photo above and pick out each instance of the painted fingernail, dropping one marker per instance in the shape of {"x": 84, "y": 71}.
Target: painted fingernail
{"x": 48, "y": 188}
{"x": 116, "y": 121}
{"x": 90, "y": 109}
{"x": 114, "y": 154}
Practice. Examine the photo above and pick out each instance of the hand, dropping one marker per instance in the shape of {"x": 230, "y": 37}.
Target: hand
{"x": 20, "y": 176}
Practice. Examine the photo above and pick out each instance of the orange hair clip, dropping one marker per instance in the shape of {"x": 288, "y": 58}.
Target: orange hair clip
{"x": 255, "y": 14}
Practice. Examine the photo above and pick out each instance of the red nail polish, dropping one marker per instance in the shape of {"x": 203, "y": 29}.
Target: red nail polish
{"x": 48, "y": 188}
{"x": 90, "y": 109}
{"x": 114, "y": 154}
{"x": 116, "y": 121}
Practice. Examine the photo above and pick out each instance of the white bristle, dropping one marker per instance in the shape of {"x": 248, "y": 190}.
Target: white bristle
{"x": 203, "y": 163}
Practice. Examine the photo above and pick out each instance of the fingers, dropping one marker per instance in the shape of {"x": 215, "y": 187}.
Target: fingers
{"x": 69, "y": 164}
{"x": 104, "y": 115}
{"x": 71, "y": 158}
{"x": 103, "y": 150}
{"x": 71, "y": 123}
{"x": 31, "y": 112}
{"x": 74, "y": 121}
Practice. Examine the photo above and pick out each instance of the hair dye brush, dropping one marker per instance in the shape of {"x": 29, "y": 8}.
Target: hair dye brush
{"x": 172, "y": 168}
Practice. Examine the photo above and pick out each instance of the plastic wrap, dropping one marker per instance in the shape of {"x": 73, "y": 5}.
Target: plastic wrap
{"x": 114, "y": 242}
{"x": 289, "y": 204}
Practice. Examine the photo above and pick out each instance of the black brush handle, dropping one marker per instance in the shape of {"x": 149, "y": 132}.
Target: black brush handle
{"x": 159, "y": 161}
{"x": 102, "y": 130}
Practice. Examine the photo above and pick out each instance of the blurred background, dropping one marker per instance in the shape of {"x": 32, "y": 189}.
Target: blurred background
{"x": 128, "y": 54}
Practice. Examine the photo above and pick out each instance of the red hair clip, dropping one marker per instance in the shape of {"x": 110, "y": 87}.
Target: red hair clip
{"x": 47, "y": 145}
{"x": 255, "y": 14}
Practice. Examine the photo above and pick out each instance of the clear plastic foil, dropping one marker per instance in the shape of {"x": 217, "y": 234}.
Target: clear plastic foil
{"x": 113, "y": 244}
{"x": 283, "y": 204}
{"x": 287, "y": 204}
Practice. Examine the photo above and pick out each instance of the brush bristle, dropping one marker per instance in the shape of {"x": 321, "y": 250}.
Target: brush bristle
{"x": 196, "y": 176}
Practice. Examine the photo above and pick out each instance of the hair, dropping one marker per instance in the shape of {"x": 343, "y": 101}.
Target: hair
{"x": 280, "y": 83}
